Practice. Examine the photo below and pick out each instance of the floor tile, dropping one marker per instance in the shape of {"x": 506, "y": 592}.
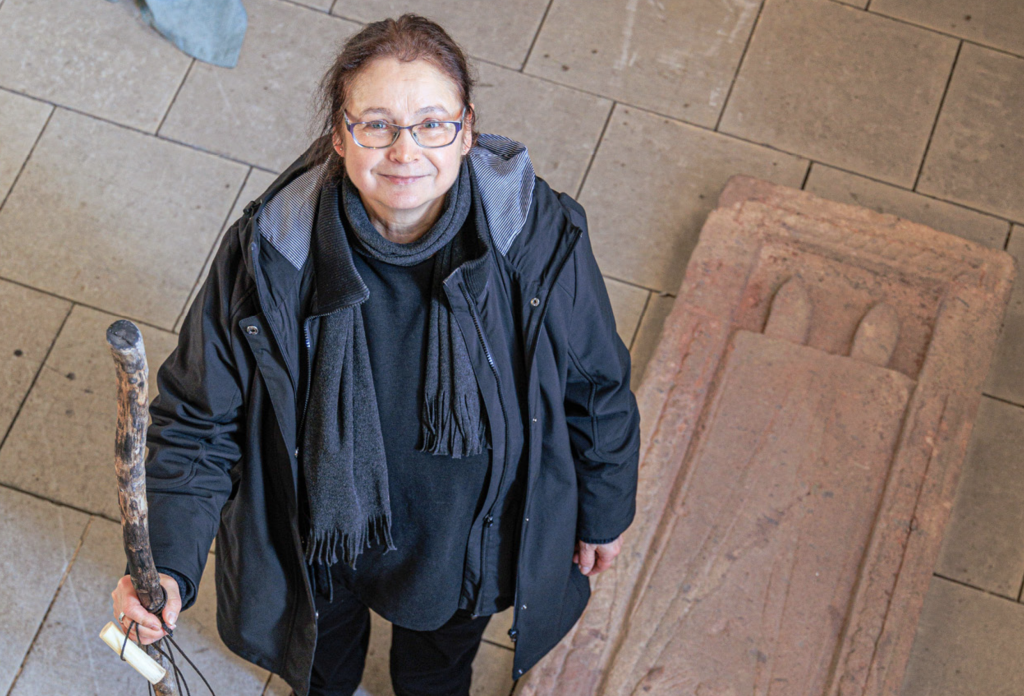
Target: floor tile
{"x": 560, "y": 126}
{"x": 984, "y": 541}
{"x": 95, "y": 57}
{"x": 256, "y": 184}
{"x": 500, "y": 32}
{"x": 492, "y": 668}
{"x": 628, "y": 303}
{"x": 861, "y": 4}
{"x": 30, "y": 321}
{"x": 977, "y": 153}
{"x": 996, "y": 23}
{"x": 967, "y": 645}
{"x": 498, "y": 627}
{"x": 840, "y": 86}
{"x": 849, "y": 188}
{"x": 675, "y": 58}
{"x": 61, "y": 445}
{"x": 323, "y": 5}
{"x": 37, "y": 542}
{"x": 260, "y": 111}
{"x": 99, "y": 210}
{"x": 653, "y": 183}
{"x": 69, "y": 659}
{"x": 647, "y": 336}
{"x": 1006, "y": 377}
{"x": 21, "y": 120}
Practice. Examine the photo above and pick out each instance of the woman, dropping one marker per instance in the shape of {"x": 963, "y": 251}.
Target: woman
{"x": 403, "y": 359}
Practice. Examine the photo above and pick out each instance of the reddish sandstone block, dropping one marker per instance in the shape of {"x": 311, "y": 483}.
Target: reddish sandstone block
{"x": 805, "y": 419}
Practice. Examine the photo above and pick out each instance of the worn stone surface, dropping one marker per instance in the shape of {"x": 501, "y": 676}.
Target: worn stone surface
{"x": 1006, "y": 378}
{"x": 260, "y": 111}
{"x": 99, "y": 210}
{"x": 647, "y": 334}
{"x": 62, "y": 444}
{"x": 984, "y": 546}
{"x": 37, "y": 543}
{"x": 977, "y": 153}
{"x": 98, "y": 58}
{"x": 670, "y": 173}
{"x": 21, "y": 121}
{"x": 996, "y": 23}
{"x": 559, "y": 126}
{"x": 844, "y": 187}
{"x": 968, "y": 644}
{"x": 674, "y": 58}
{"x": 806, "y": 416}
{"x": 30, "y": 321}
{"x": 840, "y": 86}
{"x": 628, "y": 302}
{"x": 69, "y": 659}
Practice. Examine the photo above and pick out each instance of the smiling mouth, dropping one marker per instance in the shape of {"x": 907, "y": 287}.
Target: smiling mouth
{"x": 401, "y": 180}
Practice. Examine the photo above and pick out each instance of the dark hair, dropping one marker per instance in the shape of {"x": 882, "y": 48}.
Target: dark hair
{"x": 408, "y": 38}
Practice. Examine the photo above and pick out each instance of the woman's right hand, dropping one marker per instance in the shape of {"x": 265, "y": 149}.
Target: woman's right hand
{"x": 127, "y": 601}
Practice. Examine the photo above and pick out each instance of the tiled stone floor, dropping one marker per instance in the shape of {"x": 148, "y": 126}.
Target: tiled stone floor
{"x": 122, "y": 161}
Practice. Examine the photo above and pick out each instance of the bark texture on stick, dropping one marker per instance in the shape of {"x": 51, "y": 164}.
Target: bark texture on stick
{"x": 129, "y": 354}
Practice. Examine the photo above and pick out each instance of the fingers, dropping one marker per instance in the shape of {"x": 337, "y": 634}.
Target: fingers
{"x": 586, "y": 557}
{"x": 172, "y": 607}
{"x": 147, "y": 629}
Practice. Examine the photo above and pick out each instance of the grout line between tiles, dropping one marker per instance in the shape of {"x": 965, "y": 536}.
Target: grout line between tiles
{"x": 807, "y": 176}
{"x": 597, "y": 146}
{"x": 739, "y": 66}
{"x": 496, "y": 644}
{"x": 1009, "y": 233}
{"x": 59, "y": 503}
{"x": 266, "y": 687}
{"x": 214, "y": 246}
{"x": 31, "y": 150}
{"x": 307, "y": 7}
{"x": 141, "y": 322}
{"x": 536, "y": 36}
{"x": 1020, "y": 592}
{"x": 867, "y": 7}
{"x": 188, "y": 71}
{"x": 938, "y": 114}
{"x": 333, "y": 3}
{"x": 639, "y": 322}
{"x": 656, "y": 291}
{"x": 35, "y": 377}
{"x": 1002, "y": 400}
{"x": 973, "y": 587}
{"x": 987, "y": 47}
{"x": 49, "y": 608}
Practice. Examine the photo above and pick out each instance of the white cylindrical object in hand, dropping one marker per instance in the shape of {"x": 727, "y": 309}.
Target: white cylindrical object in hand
{"x": 113, "y": 636}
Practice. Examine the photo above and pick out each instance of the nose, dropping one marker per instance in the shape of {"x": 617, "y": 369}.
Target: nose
{"x": 405, "y": 148}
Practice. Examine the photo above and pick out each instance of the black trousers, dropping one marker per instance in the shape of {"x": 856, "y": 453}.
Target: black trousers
{"x": 423, "y": 663}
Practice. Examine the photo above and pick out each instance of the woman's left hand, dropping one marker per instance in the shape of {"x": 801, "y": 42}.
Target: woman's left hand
{"x": 594, "y": 558}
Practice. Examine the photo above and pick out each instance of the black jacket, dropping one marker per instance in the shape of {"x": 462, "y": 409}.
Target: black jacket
{"x": 554, "y": 375}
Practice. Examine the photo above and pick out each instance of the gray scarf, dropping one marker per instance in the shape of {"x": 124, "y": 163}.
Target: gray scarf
{"x": 344, "y": 463}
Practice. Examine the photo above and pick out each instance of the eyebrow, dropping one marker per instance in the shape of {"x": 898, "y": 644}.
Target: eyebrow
{"x": 380, "y": 110}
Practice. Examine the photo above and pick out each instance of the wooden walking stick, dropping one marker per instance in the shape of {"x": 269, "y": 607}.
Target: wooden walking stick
{"x": 129, "y": 353}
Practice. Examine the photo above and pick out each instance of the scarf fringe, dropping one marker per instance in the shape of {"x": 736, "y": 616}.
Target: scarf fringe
{"x": 457, "y": 437}
{"x": 324, "y": 544}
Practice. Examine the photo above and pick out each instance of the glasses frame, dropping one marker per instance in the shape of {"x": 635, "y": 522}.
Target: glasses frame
{"x": 350, "y": 126}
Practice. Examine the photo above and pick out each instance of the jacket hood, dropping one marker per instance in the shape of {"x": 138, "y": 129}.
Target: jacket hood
{"x": 501, "y": 171}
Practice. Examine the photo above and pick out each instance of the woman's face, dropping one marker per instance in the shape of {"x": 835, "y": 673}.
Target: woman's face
{"x": 405, "y": 181}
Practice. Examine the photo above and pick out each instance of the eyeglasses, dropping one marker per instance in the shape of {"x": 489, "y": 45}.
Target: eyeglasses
{"x": 381, "y": 134}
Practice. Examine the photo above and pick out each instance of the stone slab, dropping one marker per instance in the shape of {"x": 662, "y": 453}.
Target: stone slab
{"x": 628, "y": 302}
{"x": 984, "y": 545}
{"x": 68, "y": 658}
{"x": 61, "y": 445}
{"x": 670, "y": 173}
{"x": 30, "y": 322}
{"x": 255, "y": 184}
{"x": 1006, "y": 378}
{"x": 976, "y": 156}
{"x": 647, "y": 335}
{"x": 99, "y": 210}
{"x": 674, "y": 58}
{"x": 559, "y": 126}
{"x": 492, "y": 667}
{"x": 98, "y": 58}
{"x": 844, "y": 187}
{"x": 841, "y": 86}
{"x": 21, "y": 121}
{"x": 500, "y": 32}
{"x": 38, "y": 541}
{"x": 967, "y": 643}
{"x": 260, "y": 112}
{"x": 996, "y": 23}
{"x": 804, "y": 422}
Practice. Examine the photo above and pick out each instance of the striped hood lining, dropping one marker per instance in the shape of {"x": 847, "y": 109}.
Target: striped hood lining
{"x": 501, "y": 168}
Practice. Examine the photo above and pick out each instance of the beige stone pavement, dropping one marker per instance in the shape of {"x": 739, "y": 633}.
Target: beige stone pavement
{"x": 123, "y": 160}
